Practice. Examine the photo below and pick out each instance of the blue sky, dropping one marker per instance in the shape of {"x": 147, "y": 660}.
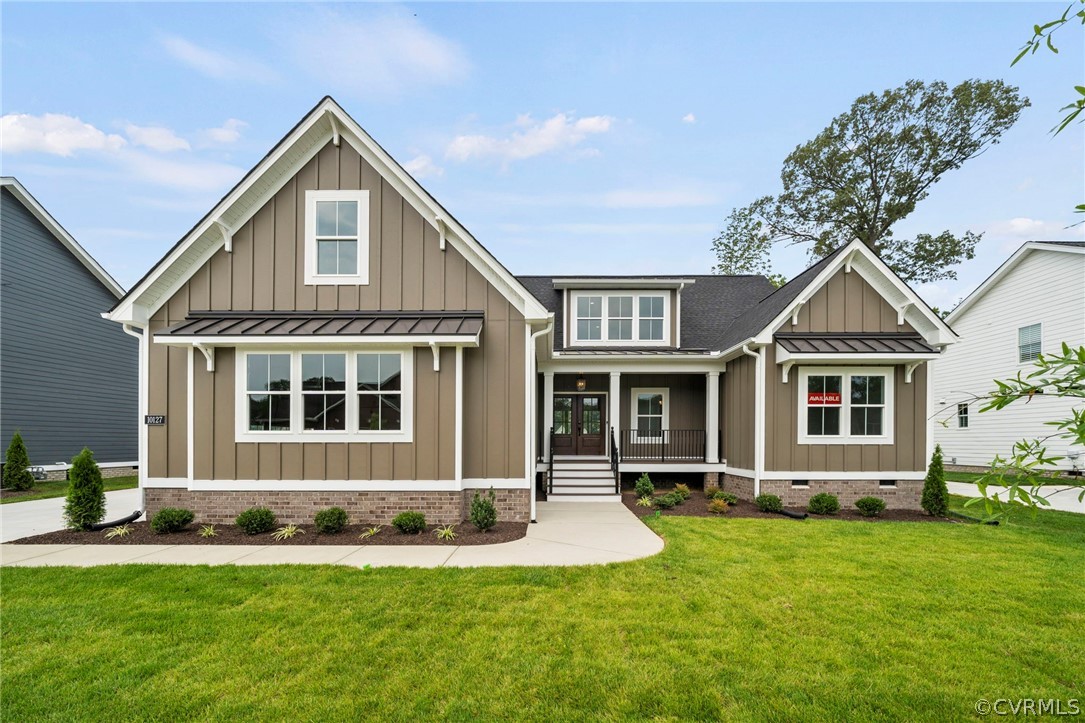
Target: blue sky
{"x": 605, "y": 138}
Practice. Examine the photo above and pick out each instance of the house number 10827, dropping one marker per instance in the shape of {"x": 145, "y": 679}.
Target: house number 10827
{"x": 154, "y": 419}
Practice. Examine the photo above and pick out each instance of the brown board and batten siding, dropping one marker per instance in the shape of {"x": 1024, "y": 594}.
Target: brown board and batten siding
{"x": 846, "y": 302}
{"x": 408, "y": 272}
{"x": 739, "y": 384}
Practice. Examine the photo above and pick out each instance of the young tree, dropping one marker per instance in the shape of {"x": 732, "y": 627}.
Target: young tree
{"x": 85, "y": 504}
{"x": 870, "y": 167}
{"x": 935, "y": 498}
{"x": 16, "y": 462}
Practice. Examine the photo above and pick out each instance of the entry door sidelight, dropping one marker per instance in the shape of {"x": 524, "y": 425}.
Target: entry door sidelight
{"x": 591, "y": 424}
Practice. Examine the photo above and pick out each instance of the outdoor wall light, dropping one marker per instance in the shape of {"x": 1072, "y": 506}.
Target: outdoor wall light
{"x": 581, "y": 383}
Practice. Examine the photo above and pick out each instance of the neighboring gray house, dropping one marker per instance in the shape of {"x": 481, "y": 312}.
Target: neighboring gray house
{"x": 68, "y": 377}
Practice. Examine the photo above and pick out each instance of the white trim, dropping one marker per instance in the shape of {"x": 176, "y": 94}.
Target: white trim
{"x": 531, "y": 400}
{"x": 190, "y": 405}
{"x": 909, "y": 475}
{"x": 783, "y": 355}
{"x": 65, "y": 466}
{"x": 350, "y": 433}
{"x": 165, "y": 483}
{"x": 141, "y": 394}
{"x": 634, "y": 417}
{"x": 52, "y": 226}
{"x": 620, "y": 282}
{"x": 372, "y": 340}
{"x": 548, "y": 411}
{"x": 741, "y": 472}
{"x": 458, "y": 471}
{"x": 249, "y": 485}
{"x": 632, "y": 465}
{"x": 604, "y": 332}
{"x": 614, "y": 412}
{"x": 888, "y": 406}
{"x": 632, "y": 364}
{"x": 361, "y": 278}
{"x": 760, "y": 420}
{"x": 712, "y": 416}
{"x": 1017, "y": 356}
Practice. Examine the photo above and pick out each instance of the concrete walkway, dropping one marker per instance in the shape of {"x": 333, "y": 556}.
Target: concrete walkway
{"x": 23, "y": 519}
{"x": 567, "y": 533}
{"x": 1061, "y": 498}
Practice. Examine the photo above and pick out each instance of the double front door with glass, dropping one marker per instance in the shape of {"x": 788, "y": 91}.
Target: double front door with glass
{"x": 580, "y": 423}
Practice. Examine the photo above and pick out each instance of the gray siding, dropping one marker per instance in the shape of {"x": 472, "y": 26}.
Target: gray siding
{"x": 68, "y": 378}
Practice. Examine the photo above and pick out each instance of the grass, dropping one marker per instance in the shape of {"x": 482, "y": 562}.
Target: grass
{"x": 59, "y": 488}
{"x": 1044, "y": 481}
{"x": 737, "y": 618}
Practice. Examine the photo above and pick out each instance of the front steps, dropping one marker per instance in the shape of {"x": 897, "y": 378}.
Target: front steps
{"x": 583, "y": 479}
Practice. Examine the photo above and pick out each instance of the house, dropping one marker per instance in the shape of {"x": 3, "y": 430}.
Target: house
{"x": 329, "y": 334}
{"x": 1030, "y": 305}
{"x": 68, "y": 376}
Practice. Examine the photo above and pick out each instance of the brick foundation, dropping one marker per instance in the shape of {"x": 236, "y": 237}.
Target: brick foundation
{"x": 443, "y": 508}
{"x": 740, "y": 486}
{"x": 904, "y": 496}
{"x": 711, "y": 481}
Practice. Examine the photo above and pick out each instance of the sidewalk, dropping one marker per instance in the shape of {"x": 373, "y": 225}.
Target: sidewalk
{"x": 23, "y": 519}
{"x": 1061, "y": 498}
{"x": 567, "y": 533}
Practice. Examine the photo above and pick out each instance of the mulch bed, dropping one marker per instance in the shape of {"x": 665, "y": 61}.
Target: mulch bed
{"x": 4, "y": 494}
{"x": 697, "y": 506}
{"x": 466, "y": 534}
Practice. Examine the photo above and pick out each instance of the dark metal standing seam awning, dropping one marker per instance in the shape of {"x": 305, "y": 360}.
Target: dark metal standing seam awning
{"x": 855, "y": 343}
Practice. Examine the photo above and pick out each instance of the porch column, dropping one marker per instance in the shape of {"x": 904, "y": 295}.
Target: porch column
{"x": 615, "y": 412}
{"x": 712, "y": 417}
{"x": 548, "y": 411}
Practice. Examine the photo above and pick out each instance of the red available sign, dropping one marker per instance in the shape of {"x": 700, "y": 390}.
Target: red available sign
{"x": 823, "y": 398}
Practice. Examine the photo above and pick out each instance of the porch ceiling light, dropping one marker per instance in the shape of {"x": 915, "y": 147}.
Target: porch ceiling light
{"x": 581, "y": 382}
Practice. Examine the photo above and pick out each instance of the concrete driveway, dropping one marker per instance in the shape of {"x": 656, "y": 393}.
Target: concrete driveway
{"x": 1061, "y": 498}
{"x": 22, "y": 519}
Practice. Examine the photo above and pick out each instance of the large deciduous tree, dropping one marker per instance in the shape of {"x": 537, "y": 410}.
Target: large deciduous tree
{"x": 868, "y": 169}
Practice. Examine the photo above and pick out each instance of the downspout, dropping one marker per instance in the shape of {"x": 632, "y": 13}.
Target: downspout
{"x": 533, "y": 413}
{"x": 141, "y": 396}
{"x": 758, "y": 415}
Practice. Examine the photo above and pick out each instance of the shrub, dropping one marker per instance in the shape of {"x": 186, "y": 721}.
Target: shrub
{"x": 683, "y": 490}
{"x": 718, "y": 506}
{"x": 729, "y": 497}
{"x": 370, "y": 532}
{"x": 286, "y": 532}
{"x": 644, "y": 486}
{"x": 119, "y": 531}
{"x": 16, "y": 462}
{"x": 665, "y": 502}
{"x": 331, "y": 520}
{"x": 870, "y": 506}
{"x": 448, "y": 532}
{"x": 823, "y": 503}
{"x": 208, "y": 531}
{"x": 645, "y": 501}
{"x": 85, "y": 505}
{"x": 769, "y": 503}
{"x": 256, "y": 520}
{"x": 171, "y": 519}
{"x": 483, "y": 511}
{"x": 409, "y": 522}
{"x": 935, "y": 498}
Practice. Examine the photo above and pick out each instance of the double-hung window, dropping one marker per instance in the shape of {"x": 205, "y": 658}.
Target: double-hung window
{"x": 650, "y": 413}
{"x": 651, "y": 318}
{"x": 337, "y": 237}
{"x": 267, "y": 392}
{"x": 380, "y": 394}
{"x": 323, "y": 391}
{"x": 962, "y": 416}
{"x": 589, "y": 318}
{"x": 619, "y": 318}
{"x": 1029, "y": 343}
{"x": 845, "y": 406}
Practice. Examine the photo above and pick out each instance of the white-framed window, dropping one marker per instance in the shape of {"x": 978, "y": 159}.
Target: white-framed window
{"x": 325, "y": 395}
{"x": 1029, "y": 343}
{"x": 845, "y": 405}
{"x": 962, "y": 416}
{"x": 619, "y": 318}
{"x": 337, "y": 237}
{"x": 650, "y": 413}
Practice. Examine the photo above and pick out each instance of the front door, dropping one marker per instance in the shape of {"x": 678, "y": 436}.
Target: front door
{"x": 580, "y": 424}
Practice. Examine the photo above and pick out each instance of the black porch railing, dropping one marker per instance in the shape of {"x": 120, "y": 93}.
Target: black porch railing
{"x": 666, "y": 445}
{"x": 550, "y": 465}
{"x": 615, "y": 459}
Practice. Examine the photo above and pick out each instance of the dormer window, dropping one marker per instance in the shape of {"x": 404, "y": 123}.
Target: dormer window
{"x": 618, "y": 318}
{"x": 337, "y": 237}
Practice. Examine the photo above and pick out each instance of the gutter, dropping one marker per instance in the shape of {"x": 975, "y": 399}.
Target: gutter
{"x": 533, "y": 413}
{"x": 141, "y": 338}
{"x": 758, "y": 415}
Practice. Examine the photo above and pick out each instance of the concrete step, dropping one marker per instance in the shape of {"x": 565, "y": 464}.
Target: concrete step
{"x": 559, "y": 497}
{"x": 580, "y": 458}
{"x": 567, "y": 472}
{"x": 566, "y": 488}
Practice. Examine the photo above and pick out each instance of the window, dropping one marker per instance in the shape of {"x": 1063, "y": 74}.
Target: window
{"x": 800, "y": 483}
{"x": 380, "y": 398}
{"x": 619, "y": 318}
{"x": 563, "y": 415}
{"x": 650, "y": 413}
{"x": 337, "y": 237}
{"x": 845, "y": 406}
{"x": 330, "y": 395}
{"x": 1029, "y": 343}
{"x": 962, "y": 416}
{"x": 887, "y": 483}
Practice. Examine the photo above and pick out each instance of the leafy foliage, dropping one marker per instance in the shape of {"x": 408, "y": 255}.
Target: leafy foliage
{"x": 409, "y": 522}
{"x": 870, "y": 506}
{"x": 483, "y": 513}
{"x": 119, "y": 531}
{"x": 718, "y": 506}
{"x": 867, "y": 170}
{"x": 729, "y": 497}
{"x": 16, "y": 462}
{"x": 935, "y": 499}
{"x": 85, "y": 504}
{"x": 208, "y": 531}
{"x": 1041, "y": 36}
{"x": 286, "y": 532}
{"x": 645, "y": 501}
{"x": 256, "y": 520}
{"x": 683, "y": 489}
{"x": 823, "y": 503}
{"x": 447, "y": 532}
{"x": 171, "y": 519}
{"x": 644, "y": 486}
{"x": 371, "y": 532}
{"x": 667, "y": 501}
{"x": 330, "y": 521}
{"x": 769, "y": 503}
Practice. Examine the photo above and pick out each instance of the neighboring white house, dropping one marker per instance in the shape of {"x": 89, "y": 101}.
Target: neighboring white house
{"x": 1033, "y": 303}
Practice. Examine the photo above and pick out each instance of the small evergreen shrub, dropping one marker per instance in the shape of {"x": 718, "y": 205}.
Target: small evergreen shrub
{"x": 330, "y": 521}
{"x": 256, "y": 520}
{"x": 718, "y": 506}
{"x": 823, "y": 503}
{"x": 483, "y": 513}
{"x": 644, "y": 486}
{"x": 935, "y": 498}
{"x": 683, "y": 490}
{"x": 171, "y": 519}
{"x": 870, "y": 506}
{"x": 769, "y": 503}
{"x": 665, "y": 502}
{"x": 409, "y": 522}
{"x": 85, "y": 504}
{"x": 729, "y": 497}
{"x": 16, "y": 462}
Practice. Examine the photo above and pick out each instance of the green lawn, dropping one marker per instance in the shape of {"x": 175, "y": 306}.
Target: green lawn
{"x": 737, "y": 618}
{"x": 59, "y": 488}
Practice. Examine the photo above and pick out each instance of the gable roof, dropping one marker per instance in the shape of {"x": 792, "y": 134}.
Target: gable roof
{"x": 326, "y": 121}
{"x": 1071, "y": 247}
{"x": 31, "y": 204}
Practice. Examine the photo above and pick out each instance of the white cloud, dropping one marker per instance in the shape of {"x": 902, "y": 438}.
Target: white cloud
{"x": 689, "y": 118}
{"x": 385, "y": 56}
{"x": 54, "y": 133}
{"x": 187, "y": 175}
{"x": 533, "y": 138}
{"x": 1013, "y": 232}
{"x": 156, "y": 138}
{"x": 228, "y": 132}
{"x": 422, "y": 166}
{"x": 214, "y": 64}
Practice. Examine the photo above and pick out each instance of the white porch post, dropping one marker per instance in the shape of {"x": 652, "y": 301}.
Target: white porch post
{"x": 548, "y": 411}
{"x": 712, "y": 417}
{"x": 615, "y": 411}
